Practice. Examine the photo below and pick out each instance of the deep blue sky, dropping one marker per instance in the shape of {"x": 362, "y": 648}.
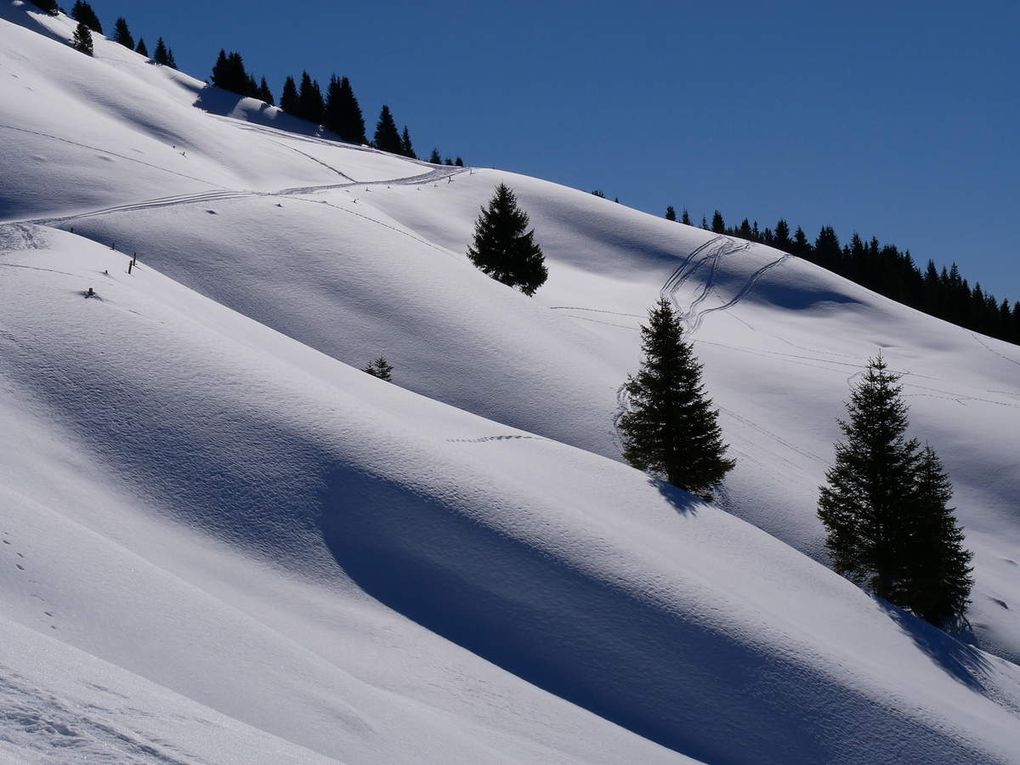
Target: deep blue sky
{"x": 897, "y": 119}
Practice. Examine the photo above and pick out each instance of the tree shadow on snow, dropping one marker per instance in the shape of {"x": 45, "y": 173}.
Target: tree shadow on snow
{"x": 963, "y": 662}
{"x": 226, "y": 104}
{"x": 682, "y": 501}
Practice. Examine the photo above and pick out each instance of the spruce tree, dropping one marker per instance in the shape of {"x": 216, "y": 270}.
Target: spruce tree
{"x": 863, "y": 504}
{"x": 380, "y": 368}
{"x": 310, "y": 101}
{"x": 434, "y": 157}
{"x": 718, "y": 224}
{"x": 289, "y": 97}
{"x": 503, "y": 246}
{"x": 670, "y": 427}
{"x": 670, "y": 213}
{"x": 406, "y": 148}
{"x": 458, "y": 162}
{"x": 387, "y": 138}
{"x": 82, "y": 40}
{"x": 264, "y": 93}
{"x": 82, "y": 12}
{"x": 162, "y": 55}
{"x": 685, "y": 218}
{"x": 937, "y": 581}
{"x": 122, "y": 34}
{"x": 342, "y": 114}
{"x": 142, "y": 48}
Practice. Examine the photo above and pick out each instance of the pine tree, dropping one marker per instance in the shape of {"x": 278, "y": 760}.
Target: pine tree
{"x": 386, "y": 136}
{"x": 503, "y": 246}
{"x": 458, "y": 162}
{"x": 82, "y": 40}
{"x": 49, "y": 6}
{"x": 142, "y": 48}
{"x": 380, "y": 368}
{"x": 862, "y": 505}
{"x": 170, "y": 60}
{"x": 122, "y": 34}
{"x": 670, "y": 213}
{"x": 670, "y": 427}
{"x": 937, "y": 581}
{"x": 685, "y": 217}
{"x": 162, "y": 55}
{"x": 718, "y": 225}
{"x": 434, "y": 157}
{"x": 82, "y": 12}
{"x": 264, "y": 93}
{"x": 406, "y": 148}
{"x": 310, "y": 103}
{"x": 344, "y": 112}
{"x": 289, "y": 97}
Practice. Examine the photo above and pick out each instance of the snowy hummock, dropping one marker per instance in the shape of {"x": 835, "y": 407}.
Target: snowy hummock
{"x": 222, "y": 542}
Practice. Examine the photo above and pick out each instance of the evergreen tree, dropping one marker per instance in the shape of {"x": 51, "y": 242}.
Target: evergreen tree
{"x": 289, "y": 97}
{"x": 162, "y": 55}
{"x": 380, "y": 368}
{"x": 406, "y": 148}
{"x": 264, "y": 93}
{"x": 781, "y": 237}
{"x": 122, "y": 34}
{"x": 670, "y": 427}
{"x": 503, "y": 246}
{"x": 50, "y": 6}
{"x": 310, "y": 103}
{"x": 670, "y": 213}
{"x": 170, "y": 60}
{"x": 142, "y": 48}
{"x": 82, "y": 40}
{"x": 718, "y": 224}
{"x": 458, "y": 162}
{"x": 937, "y": 583}
{"x": 434, "y": 157}
{"x": 862, "y": 505}
{"x": 350, "y": 124}
{"x": 82, "y": 12}
{"x": 685, "y": 218}
{"x": 386, "y": 136}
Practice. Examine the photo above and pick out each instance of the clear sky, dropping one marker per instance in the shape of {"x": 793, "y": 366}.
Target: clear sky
{"x": 899, "y": 119}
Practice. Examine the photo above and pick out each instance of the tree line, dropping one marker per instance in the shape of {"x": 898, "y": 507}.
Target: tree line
{"x": 88, "y": 22}
{"x": 887, "y": 270}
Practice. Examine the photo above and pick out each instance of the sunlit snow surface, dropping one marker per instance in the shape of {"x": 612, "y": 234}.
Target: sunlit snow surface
{"x": 221, "y": 542}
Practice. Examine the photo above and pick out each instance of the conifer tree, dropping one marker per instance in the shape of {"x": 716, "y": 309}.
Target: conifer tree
{"x": 264, "y": 93}
{"x": 82, "y": 40}
{"x": 289, "y": 97}
{"x": 458, "y": 162}
{"x": 82, "y": 12}
{"x": 50, "y": 6}
{"x": 162, "y": 55}
{"x": 670, "y": 427}
{"x": 386, "y": 136}
{"x": 310, "y": 103}
{"x": 122, "y": 34}
{"x": 937, "y": 580}
{"x": 685, "y": 218}
{"x": 406, "y": 148}
{"x": 142, "y": 48}
{"x": 503, "y": 246}
{"x": 380, "y": 368}
{"x": 434, "y": 157}
{"x": 342, "y": 113}
{"x": 862, "y": 505}
{"x": 670, "y": 213}
{"x": 718, "y": 224}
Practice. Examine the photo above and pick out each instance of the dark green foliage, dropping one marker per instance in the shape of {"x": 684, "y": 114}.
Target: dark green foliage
{"x": 264, "y": 93}
{"x": 885, "y": 508}
{"x": 387, "y": 138}
{"x": 162, "y": 55}
{"x": 861, "y": 505}
{"x": 82, "y": 12}
{"x": 670, "y": 427}
{"x": 142, "y": 48}
{"x": 503, "y": 246}
{"x": 380, "y": 368}
{"x": 458, "y": 162}
{"x": 343, "y": 114}
{"x": 406, "y": 148}
{"x": 434, "y": 157}
{"x": 122, "y": 34}
{"x": 82, "y": 40}
{"x": 685, "y": 218}
{"x": 598, "y": 193}
{"x": 50, "y": 6}
{"x": 229, "y": 74}
{"x": 670, "y": 213}
{"x": 289, "y": 97}
{"x": 310, "y": 103}
{"x": 938, "y": 582}
{"x": 718, "y": 224}
{"x": 448, "y": 161}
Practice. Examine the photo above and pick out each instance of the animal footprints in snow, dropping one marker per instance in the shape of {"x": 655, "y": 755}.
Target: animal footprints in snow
{"x": 486, "y": 439}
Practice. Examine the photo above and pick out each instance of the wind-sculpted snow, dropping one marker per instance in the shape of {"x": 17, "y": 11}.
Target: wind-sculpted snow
{"x": 199, "y": 489}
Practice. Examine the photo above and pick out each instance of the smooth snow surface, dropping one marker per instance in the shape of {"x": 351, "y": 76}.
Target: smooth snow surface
{"x": 222, "y": 542}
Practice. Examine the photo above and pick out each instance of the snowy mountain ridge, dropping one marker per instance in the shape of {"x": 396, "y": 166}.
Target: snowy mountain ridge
{"x": 222, "y": 542}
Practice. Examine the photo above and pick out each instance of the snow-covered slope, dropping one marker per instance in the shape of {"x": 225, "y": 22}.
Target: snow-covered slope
{"x": 219, "y": 539}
